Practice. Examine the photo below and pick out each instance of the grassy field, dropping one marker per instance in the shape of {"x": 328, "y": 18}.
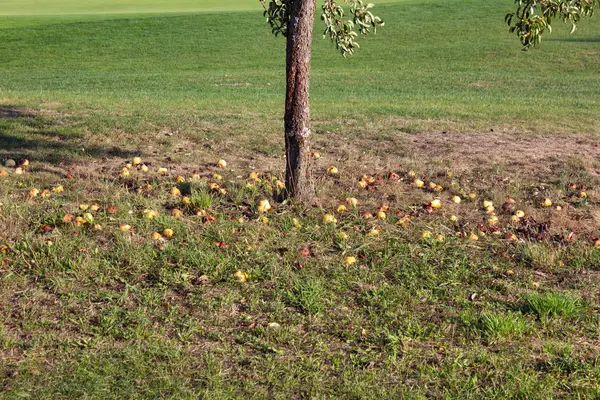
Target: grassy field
{"x": 117, "y": 282}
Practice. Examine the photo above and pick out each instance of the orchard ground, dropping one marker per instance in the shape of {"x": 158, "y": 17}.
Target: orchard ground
{"x": 283, "y": 304}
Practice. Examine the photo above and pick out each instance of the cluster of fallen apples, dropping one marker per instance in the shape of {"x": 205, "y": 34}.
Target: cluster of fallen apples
{"x": 518, "y": 222}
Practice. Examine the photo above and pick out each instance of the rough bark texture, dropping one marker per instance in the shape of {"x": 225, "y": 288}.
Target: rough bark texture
{"x": 297, "y": 113}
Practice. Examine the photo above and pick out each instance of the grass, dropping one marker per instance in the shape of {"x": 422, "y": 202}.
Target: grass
{"x": 550, "y": 305}
{"x": 243, "y": 304}
{"x": 115, "y": 70}
{"x": 499, "y": 327}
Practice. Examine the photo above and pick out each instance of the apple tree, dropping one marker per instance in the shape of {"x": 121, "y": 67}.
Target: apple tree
{"x": 294, "y": 19}
{"x": 533, "y": 17}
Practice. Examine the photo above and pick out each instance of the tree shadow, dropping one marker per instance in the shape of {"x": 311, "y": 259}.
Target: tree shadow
{"x": 574, "y": 39}
{"x": 42, "y": 139}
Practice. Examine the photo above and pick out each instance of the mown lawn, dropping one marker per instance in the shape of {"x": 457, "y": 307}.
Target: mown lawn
{"x": 122, "y": 282}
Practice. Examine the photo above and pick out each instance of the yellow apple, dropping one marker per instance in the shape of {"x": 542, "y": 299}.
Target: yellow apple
{"x": 264, "y": 206}
{"x": 329, "y": 219}
{"x": 89, "y": 218}
{"x": 547, "y": 202}
{"x": 352, "y": 201}
{"x": 137, "y": 160}
{"x": 222, "y": 164}
{"x": 350, "y": 260}
{"x": 375, "y": 231}
{"x": 168, "y": 232}
{"x": 156, "y": 236}
{"x": 332, "y": 170}
{"x": 241, "y": 276}
{"x": 149, "y": 214}
{"x": 519, "y": 213}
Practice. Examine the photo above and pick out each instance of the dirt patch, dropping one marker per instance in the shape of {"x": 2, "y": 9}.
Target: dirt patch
{"x": 491, "y": 148}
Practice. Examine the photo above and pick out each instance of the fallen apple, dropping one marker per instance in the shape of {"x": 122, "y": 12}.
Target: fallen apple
{"x": 329, "y": 219}
{"x": 352, "y": 201}
{"x": 263, "y": 206}
{"x": 547, "y": 202}
{"x": 519, "y": 213}
{"x": 168, "y": 232}
{"x": 350, "y": 260}
{"x": 241, "y": 276}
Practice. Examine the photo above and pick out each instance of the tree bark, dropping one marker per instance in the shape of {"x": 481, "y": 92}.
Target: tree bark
{"x": 298, "y": 177}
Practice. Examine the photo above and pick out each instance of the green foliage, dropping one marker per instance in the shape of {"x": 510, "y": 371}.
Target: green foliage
{"x": 502, "y": 326}
{"x": 548, "y": 305}
{"x": 529, "y": 25}
{"x": 307, "y": 295}
{"x": 342, "y": 32}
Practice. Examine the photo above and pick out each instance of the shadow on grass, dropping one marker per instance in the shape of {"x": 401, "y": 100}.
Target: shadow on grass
{"x": 47, "y": 140}
{"x": 574, "y": 39}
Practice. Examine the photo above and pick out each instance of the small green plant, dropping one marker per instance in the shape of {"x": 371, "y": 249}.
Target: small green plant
{"x": 307, "y": 295}
{"x": 550, "y": 305}
{"x": 503, "y": 326}
{"x": 201, "y": 199}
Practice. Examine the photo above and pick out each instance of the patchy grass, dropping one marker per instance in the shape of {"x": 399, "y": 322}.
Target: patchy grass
{"x": 175, "y": 284}
{"x": 548, "y": 305}
{"x": 503, "y": 326}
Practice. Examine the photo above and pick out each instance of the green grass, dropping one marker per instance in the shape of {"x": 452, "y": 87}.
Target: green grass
{"x": 98, "y": 312}
{"x": 62, "y": 7}
{"x": 550, "y": 305}
{"x": 121, "y": 70}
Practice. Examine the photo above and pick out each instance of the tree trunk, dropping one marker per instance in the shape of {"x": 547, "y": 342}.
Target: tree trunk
{"x": 298, "y": 179}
